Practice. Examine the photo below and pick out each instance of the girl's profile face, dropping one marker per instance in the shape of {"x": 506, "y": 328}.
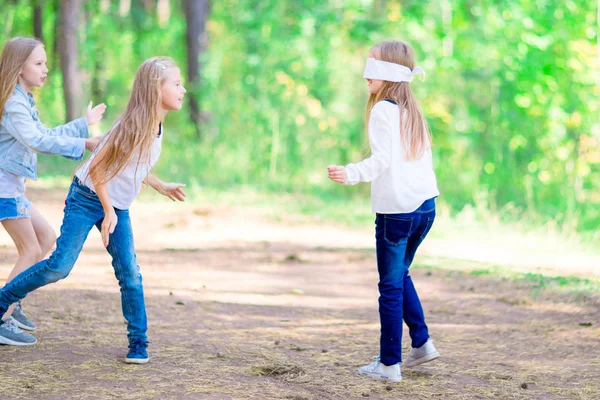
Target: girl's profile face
{"x": 374, "y": 84}
{"x": 34, "y": 71}
{"x": 172, "y": 90}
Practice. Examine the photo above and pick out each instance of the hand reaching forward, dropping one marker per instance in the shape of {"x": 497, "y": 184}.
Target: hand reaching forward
{"x": 337, "y": 173}
{"x": 94, "y": 115}
{"x": 172, "y": 190}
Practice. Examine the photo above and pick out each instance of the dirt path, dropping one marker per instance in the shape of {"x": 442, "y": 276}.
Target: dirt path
{"x": 243, "y": 308}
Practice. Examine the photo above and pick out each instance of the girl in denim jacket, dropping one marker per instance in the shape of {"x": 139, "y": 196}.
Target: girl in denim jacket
{"x": 403, "y": 190}
{"x": 102, "y": 191}
{"x": 22, "y": 135}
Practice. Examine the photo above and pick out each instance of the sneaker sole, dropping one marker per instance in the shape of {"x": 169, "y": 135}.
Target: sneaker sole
{"x": 422, "y": 360}
{"x": 9, "y": 342}
{"x": 379, "y": 376}
{"x": 23, "y": 326}
{"x": 137, "y": 360}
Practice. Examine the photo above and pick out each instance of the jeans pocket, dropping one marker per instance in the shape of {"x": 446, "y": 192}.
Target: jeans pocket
{"x": 397, "y": 229}
{"x": 85, "y": 193}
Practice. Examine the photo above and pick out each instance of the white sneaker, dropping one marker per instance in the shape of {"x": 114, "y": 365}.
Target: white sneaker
{"x": 380, "y": 371}
{"x": 423, "y": 354}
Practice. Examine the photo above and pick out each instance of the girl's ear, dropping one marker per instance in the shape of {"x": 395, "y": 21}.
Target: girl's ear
{"x": 22, "y": 68}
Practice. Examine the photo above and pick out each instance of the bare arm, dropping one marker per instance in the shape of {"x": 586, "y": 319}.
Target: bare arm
{"x": 172, "y": 190}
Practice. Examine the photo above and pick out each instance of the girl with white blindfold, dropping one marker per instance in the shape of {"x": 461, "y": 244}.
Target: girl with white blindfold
{"x": 403, "y": 192}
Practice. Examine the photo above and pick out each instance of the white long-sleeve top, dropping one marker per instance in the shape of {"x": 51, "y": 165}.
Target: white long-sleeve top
{"x": 398, "y": 185}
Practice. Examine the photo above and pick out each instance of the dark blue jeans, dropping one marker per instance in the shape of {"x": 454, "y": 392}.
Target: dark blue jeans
{"x": 398, "y": 237}
{"x": 83, "y": 211}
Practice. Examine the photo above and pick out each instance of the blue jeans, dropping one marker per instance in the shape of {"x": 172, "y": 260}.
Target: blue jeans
{"x": 83, "y": 210}
{"x": 398, "y": 236}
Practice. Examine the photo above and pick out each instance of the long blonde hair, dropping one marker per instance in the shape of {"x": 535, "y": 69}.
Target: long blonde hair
{"x": 414, "y": 131}
{"x": 14, "y": 55}
{"x": 133, "y": 134}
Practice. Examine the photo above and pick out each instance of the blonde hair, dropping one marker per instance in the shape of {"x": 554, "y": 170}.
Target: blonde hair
{"x": 414, "y": 131}
{"x": 133, "y": 134}
{"x": 14, "y": 55}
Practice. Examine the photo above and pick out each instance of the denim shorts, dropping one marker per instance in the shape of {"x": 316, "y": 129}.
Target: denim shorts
{"x": 14, "y": 208}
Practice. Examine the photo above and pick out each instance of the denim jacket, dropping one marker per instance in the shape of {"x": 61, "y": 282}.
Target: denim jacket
{"x": 22, "y": 135}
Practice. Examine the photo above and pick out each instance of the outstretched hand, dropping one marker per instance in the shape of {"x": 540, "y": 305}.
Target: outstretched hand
{"x": 172, "y": 190}
{"x": 337, "y": 173}
{"x": 94, "y": 115}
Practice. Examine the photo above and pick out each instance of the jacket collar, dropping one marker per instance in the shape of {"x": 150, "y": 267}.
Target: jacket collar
{"x": 28, "y": 95}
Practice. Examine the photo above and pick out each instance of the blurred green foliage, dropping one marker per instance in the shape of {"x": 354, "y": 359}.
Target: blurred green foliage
{"x": 511, "y": 93}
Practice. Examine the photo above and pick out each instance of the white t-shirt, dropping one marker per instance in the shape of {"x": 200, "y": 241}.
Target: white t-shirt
{"x": 11, "y": 185}
{"x": 123, "y": 188}
{"x": 399, "y": 185}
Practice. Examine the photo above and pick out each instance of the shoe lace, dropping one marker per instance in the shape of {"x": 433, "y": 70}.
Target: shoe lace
{"x": 375, "y": 362}
{"x": 10, "y": 325}
{"x": 138, "y": 346}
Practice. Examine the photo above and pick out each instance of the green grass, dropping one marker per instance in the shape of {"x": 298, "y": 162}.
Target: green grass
{"x": 537, "y": 281}
{"x": 479, "y": 272}
{"x": 563, "y": 282}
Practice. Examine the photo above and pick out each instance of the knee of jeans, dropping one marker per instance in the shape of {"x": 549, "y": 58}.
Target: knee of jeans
{"x": 392, "y": 287}
{"x": 58, "y": 269}
{"x": 130, "y": 280}
{"x": 55, "y": 275}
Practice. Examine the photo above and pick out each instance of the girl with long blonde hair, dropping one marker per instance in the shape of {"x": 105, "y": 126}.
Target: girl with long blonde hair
{"x": 102, "y": 191}
{"x": 403, "y": 193}
{"x": 22, "y": 136}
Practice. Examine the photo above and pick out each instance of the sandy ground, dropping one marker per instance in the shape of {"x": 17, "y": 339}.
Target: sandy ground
{"x": 242, "y": 307}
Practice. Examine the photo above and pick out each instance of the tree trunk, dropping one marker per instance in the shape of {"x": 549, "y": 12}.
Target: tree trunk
{"x": 163, "y": 12}
{"x": 38, "y": 19}
{"x": 124, "y": 7}
{"x": 67, "y": 47}
{"x": 196, "y": 13}
{"x": 54, "y": 55}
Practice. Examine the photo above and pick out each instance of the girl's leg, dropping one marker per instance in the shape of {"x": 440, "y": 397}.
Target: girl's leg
{"x": 124, "y": 261}
{"x": 23, "y": 235}
{"x": 413, "y": 310}
{"x": 413, "y": 314}
{"x": 392, "y": 235}
{"x": 81, "y": 213}
{"x": 33, "y": 237}
{"x": 44, "y": 232}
